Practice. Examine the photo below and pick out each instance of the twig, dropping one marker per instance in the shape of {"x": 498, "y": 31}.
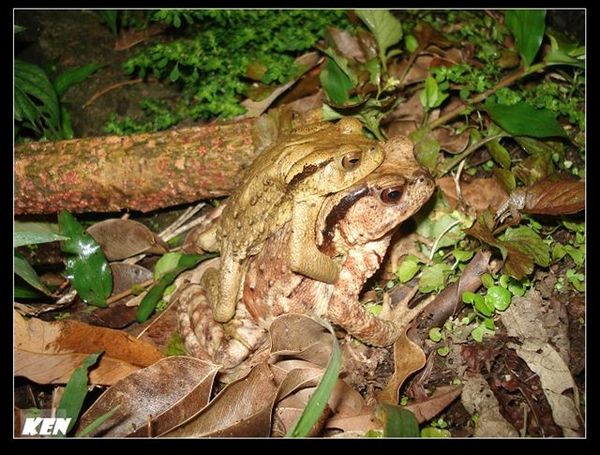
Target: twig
{"x": 104, "y": 91}
{"x": 508, "y": 80}
{"x": 129, "y": 291}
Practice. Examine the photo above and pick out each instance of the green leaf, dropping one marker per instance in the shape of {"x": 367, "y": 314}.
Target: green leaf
{"x": 398, "y": 422}
{"x": 427, "y": 148}
{"x": 87, "y": 267}
{"x": 564, "y": 52}
{"x": 97, "y": 423}
{"x": 384, "y": 26}
{"x": 407, "y": 269}
{"x": 69, "y": 78}
{"x": 151, "y": 299}
{"x": 443, "y": 351}
{"x": 36, "y": 101}
{"x": 335, "y": 83}
{"x": 498, "y": 297}
{"x": 435, "y": 334}
{"x": 521, "y": 119}
{"x": 433, "y": 278}
{"x": 76, "y": 390}
{"x": 166, "y": 264}
{"x": 24, "y": 270}
{"x": 318, "y": 400}
{"x": 528, "y": 242}
{"x": 411, "y": 43}
{"x": 483, "y": 305}
{"x": 22, "y": 292}
{"x": 480, "y": 331}
{"x": 432, "y": 432}
{"x": 487, "y": 280}
{"x": 528, "y": 27}
{"x": 18, "y": 29}
{"x": 432, "y": 96}
{"x": 66, "y": 124}
{"x": 22, "y": 237}
{"x": 462, "y": 255}
{"x": 499, "y": 153}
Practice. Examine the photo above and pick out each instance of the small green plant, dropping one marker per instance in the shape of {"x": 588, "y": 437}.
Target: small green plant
{"x": 38, "y": 107}
{"x": 217, "y": 68}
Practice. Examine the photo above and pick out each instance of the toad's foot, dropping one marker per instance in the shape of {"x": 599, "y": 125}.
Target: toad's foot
{"x": 222, "y": 287}
{"x": 304, "y": 256}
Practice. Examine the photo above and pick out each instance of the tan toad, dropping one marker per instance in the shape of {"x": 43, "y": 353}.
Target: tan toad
{"x": 354, "y": 227}
{"x": 286, "y": 184}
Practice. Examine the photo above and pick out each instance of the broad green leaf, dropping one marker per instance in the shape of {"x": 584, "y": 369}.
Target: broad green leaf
{"x": 76, "y": 390}
{"x": 384, "y": 26}
{"x": 407, "y": 269}
{"x": 335, "y": 83}
{"x": 462, "y": 255}
{"x": 166, "y": 263}
{"x": 432, "y": 96}
{"x": 563, "y": 52}
{"x": 498, "y": 297}
{"x": 151, "y": 299}
{"x": 73, "y": 76}
{"x": 87, "y": 267}
{"x": 314, "y": 408}
{"x": 22, "y": 292}
{"x": 398, "y": 422}
{"x": 435, "y": 334}
{"x": 427, "y": 148}
{"x": 25, "y": 271}
{"x": 36, "y": 101}
{"x": 32, "y": 237}
{"x": 528, "y": 27}
{"x": 521, "y": 119}
{"x": 483, "y": 305}
{"x": 528, "y": 242}
{"x": 411, "y": 43}
{"x": 433, "y": 278}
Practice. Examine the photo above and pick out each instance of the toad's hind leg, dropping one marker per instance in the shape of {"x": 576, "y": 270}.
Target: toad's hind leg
{"x": 304, "y": 256}
{"x": 222, "y": 288}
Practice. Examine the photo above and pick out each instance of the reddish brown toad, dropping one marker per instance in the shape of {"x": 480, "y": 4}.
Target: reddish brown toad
{"x": 354, "y": 227}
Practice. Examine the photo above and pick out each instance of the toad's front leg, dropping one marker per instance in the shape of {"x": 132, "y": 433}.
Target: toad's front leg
{"x": 304, "y": 256}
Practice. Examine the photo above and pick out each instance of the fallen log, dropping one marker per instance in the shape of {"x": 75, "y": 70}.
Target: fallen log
{"x": 139, "y": 172}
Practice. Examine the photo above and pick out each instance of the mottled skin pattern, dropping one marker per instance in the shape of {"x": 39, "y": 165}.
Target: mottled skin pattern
{"x": 286, "y": 184}
{"x": 354, "y": 226}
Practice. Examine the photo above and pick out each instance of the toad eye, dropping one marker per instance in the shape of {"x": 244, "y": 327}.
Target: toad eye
{"x": 351, "y": 161}
{"x": 391, "y": 195}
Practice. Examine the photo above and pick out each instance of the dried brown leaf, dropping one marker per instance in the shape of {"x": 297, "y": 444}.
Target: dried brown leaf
{"x": 408, "y": 358}
{"x": 256, "y": 108}
{"x": 439, "y": 400}
{"x": 301, "y": 337}
{"x": 242, "y": 409}
{"x": 58, "y": 368}
{"x": 348, "y": 45}
{"x": 155, "y": 399}
{"x": 561, "y": 197}
{"x": 126, "y": 275}
{"x": 479, "y": 193}
{"x": 36, "y": 339}
{"x": 120, "y": 239}
{"x": 129, "y": 37}
{"x": 450, "y": 142}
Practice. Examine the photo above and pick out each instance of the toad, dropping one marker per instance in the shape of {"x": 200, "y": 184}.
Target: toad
{"x": 354, "y": 228}
{"x": 286, "y": 184}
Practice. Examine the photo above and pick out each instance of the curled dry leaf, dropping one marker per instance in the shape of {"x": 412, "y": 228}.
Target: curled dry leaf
{"x": 408, "y": 358}
{"x": 560, "y": 197}
{"x": 453, "y": 143}
{"x": 256, "y": 108}
{"x": 440, "y": 399}
{"x": 155, "y": 399}
{"x": 556, "y": 379}
{"x": 48, "y": 352}
{"x": 479, "y": 194}
{"x": 301, "y": 337}
{"x": 347, "y": 44}
{"x": 447, "y": 302}
{"x": 243, "y": 408}
{"x": 478, "y": 398}
{"x": 121, "y": 239}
